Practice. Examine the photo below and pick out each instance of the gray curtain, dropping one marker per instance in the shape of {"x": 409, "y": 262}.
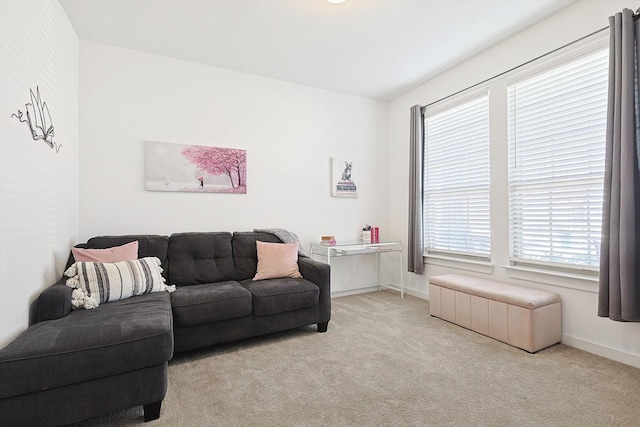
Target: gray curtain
{"x": 619, "y": 295}
{"x": 415, "y": 263}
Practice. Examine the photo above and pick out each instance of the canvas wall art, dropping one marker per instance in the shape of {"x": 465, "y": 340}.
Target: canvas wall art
{"x": 342, "y": 178}
{"x": 194, "y": 168}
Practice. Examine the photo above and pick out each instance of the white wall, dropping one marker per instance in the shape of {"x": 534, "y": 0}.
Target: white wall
{"x": 38, "y": 187}
{"x": 290, "y": 133}
{"x": 581, "y": 327}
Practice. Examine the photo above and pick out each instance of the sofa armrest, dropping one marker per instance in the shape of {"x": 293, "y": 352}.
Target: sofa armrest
{"x": 316, "y": 272}
{"x": 320, "y": 274}
{"x": 54, "y": 302}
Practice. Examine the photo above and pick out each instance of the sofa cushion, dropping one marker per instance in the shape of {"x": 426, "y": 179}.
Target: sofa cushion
{"x": 118, "y": 337}
{"x": 245, "y": 253}
{"x": 100, "y": 282}
{"x": 280, "y": 295}
{"x": 276, "y": 260}
{"x": 210, "y": 302}
{"x": 197, "y": 258}
{"x": 148, "y": 246}
{"x": 126, "y": 252}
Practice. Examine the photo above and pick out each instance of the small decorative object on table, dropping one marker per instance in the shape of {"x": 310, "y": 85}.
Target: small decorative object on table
{"x": 375, "y": 234}
{"x": 365, "y": 234}
{"x": 328, "y": 240}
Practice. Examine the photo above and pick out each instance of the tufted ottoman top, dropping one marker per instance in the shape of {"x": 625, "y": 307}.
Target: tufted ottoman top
{"x": 497, "y": 291}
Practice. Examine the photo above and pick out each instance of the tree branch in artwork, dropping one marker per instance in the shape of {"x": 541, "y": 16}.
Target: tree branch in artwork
{"x": 219, "y": 161}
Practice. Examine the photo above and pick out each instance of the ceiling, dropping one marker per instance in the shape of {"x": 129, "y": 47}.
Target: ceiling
{"x": 372, "y": 48}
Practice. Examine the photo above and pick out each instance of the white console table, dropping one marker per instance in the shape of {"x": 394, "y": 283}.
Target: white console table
{"x": 350, "y": 249}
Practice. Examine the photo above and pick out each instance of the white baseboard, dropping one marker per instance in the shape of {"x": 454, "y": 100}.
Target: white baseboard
{"x": 417, "y": 294}
{"x": 600, "y": 350}
{"x": 355, "y": 291}
{"x": 412, "y": 292}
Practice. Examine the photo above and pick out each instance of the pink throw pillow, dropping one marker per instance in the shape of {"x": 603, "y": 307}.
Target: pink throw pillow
{"x": 126, "y": 252}
{"x": 276, "y": 260}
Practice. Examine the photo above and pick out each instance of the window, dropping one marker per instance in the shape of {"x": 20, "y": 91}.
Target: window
{"x": 556, "y": 139}
{"x": 537, "y": 200}
{"x": 456, "y": 179}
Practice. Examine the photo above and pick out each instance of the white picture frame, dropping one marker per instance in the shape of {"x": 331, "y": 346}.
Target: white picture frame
{"x": 343, "y": 176}
{"x": 194, "y": 168}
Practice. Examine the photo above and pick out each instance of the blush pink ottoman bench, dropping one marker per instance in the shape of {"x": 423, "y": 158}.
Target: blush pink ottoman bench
{"x": 526, "y": 318}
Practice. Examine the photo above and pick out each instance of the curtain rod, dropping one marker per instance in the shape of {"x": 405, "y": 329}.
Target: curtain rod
{"x": 636, "y": 17}
{"x": 521, "y": 65}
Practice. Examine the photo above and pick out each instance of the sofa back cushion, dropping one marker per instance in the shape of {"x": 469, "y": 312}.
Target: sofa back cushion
{"x": 126, "y": 252}
{"x": 197, "y": 258}
{"x": 148, "y": 246}
{"x": 245, "y": 253}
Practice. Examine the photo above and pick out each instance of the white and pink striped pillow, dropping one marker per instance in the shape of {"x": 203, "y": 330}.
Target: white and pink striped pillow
{"x": 95, "y": 283}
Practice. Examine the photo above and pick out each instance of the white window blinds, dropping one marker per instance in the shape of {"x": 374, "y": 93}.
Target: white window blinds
{"x": 556, "y": 132}
{"x": 456, "y": 180}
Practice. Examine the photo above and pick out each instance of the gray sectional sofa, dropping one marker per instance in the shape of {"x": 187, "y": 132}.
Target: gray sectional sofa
{"x": 76, "y": 364}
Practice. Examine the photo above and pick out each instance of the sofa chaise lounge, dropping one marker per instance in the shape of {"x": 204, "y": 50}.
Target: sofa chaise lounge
{"x": 76, "y": 364}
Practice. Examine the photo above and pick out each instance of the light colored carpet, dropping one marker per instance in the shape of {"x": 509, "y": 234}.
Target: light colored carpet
{"x": 385, "y": 362}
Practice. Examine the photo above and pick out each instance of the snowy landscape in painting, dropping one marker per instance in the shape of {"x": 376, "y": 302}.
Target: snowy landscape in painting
{"x": 194, "y": 168}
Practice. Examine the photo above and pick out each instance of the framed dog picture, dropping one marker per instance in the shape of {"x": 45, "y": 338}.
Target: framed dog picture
{"x": 343, "y": 178}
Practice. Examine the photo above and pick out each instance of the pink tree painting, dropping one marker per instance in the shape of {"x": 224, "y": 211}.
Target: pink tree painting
{"x": 220, "y": 161}
{"x": 195, "y": 168}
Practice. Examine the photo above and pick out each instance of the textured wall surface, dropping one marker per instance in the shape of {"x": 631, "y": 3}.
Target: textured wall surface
{"x": 38, "y": 184}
